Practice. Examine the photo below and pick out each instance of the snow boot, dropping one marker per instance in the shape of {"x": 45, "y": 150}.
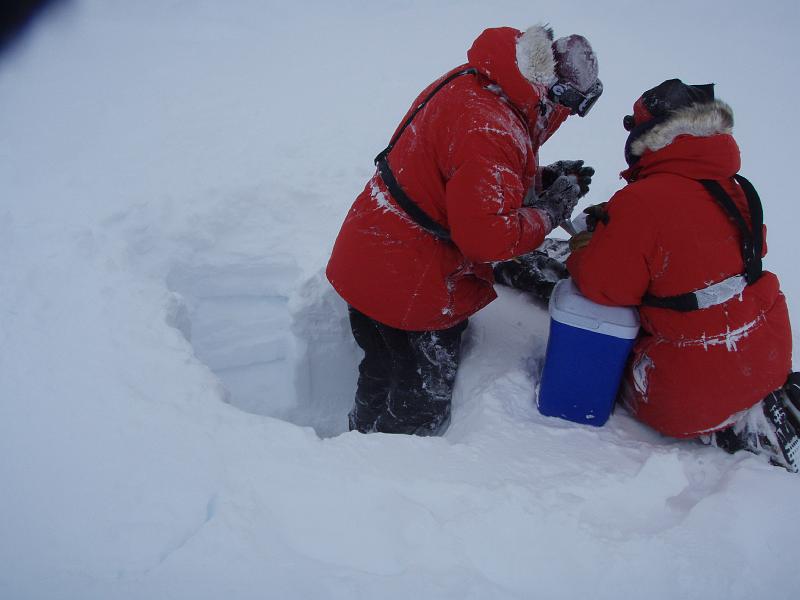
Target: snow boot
{"x": 792, "y": 389}
{"x": 779, "y": 410}
{"x": 771, "y": 428}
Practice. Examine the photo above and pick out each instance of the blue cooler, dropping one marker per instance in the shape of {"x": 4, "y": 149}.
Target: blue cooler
{"x": 586, "y": 353}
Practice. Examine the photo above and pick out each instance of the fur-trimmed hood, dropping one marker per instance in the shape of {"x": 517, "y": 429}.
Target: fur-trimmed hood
{"x": 523, "y": 65}
{"x": 496, "y": 53}
{"x": 535, "y": 59}
{"x": 695, "y": 141}
{"x": 699, "y": 120}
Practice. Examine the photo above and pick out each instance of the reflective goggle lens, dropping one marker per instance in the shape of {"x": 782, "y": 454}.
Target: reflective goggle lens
{"x": 590, "y": 98}
{"x": 579, "y": 103}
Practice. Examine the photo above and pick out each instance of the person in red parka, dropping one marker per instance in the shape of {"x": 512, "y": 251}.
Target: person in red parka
{"x": 716, "y": 337}
{"x": 455, "y": 190}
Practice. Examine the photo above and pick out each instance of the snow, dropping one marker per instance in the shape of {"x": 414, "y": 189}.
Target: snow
{"x": 721, "y": 292}
{"x": 577, "y": 62}
{"x": 730, "y": 338}
{"x": 175, "y": 371}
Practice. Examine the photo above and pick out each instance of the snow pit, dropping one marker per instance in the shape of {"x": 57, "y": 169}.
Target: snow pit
{"x": 288, "y": 358}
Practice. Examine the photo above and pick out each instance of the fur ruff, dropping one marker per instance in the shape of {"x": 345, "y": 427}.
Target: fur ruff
{"x": 535, "y": 58}
{"x": 700, "y": 120}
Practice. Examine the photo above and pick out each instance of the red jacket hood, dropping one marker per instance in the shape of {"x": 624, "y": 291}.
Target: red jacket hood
{"x": 494, "y": 54}
{"x": 695, "y": 141}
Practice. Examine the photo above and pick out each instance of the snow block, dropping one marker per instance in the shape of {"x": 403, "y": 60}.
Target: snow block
{"x": 586, "y": 353}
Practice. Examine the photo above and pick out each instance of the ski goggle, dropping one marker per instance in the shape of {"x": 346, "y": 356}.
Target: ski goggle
{"x": 579, "y": 103}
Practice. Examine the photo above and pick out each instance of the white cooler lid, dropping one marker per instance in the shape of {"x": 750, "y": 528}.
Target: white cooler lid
{"x": 570, "y": 307}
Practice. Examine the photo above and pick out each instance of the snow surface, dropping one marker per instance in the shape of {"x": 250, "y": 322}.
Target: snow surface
{"x": 175, "y": 372}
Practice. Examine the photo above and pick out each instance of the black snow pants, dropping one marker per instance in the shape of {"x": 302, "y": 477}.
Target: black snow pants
{"x": 405, "y": 382}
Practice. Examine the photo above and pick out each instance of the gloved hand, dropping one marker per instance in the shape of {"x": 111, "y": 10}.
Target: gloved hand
{"x": 536, "y": 272}
{"x": 568, "y": 167}
{"x": 557, "y": 201}
{"x": 580, "y": 240}
{"x": 596, "y": 214}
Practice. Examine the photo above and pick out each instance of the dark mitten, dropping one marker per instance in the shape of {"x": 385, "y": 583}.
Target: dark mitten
{"x": 557, "y": 201}
{"x": 596, "y": 214}
{"x": 536, "y": 272}
{"x": 583, "y": 174}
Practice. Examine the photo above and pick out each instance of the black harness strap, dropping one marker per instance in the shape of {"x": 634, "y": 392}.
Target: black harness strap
{"x": 754, "y": 266}
{"x": 412, "y": 209}
{"x": 420, "y": 106}
{"x": 682, "y": 302}
{"x": 419, "y": 216}
{"x": 752, "y": 242}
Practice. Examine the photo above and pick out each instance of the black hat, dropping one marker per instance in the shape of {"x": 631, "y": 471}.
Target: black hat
{"x": 656, "y": 104}
{"x": 665, "y": 98}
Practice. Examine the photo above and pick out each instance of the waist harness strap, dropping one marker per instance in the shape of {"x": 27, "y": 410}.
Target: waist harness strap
{"x": 752, "y": 245}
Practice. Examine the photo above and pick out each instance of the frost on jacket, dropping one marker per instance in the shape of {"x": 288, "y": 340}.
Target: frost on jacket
{"x": 467, "y": 161}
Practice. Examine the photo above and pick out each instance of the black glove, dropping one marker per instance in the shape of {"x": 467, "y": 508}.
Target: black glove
{"x": 596, "y": 214}
{"x": 536, "y": 272}
{"x": 580, "y": 240}
{"x": 557, "y": 201}
{"x": 568, "y": 167}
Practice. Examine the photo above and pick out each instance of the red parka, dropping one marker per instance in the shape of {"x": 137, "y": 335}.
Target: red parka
{"x": 691, "y": 372}
{"x": 467, "y": 159}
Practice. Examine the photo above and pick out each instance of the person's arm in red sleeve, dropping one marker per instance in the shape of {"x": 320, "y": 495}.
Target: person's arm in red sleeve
{"x": 485, "y": 192}
{"x": 612, "y": 269}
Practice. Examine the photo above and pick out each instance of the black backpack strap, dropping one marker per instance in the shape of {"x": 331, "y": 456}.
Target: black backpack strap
{"x": 412, "y": 209}
{"x": 420, "y": 106}
{"x": 419, "y": 216}
{"x": 755, "y": 268}
{"x": 752, "y": 242}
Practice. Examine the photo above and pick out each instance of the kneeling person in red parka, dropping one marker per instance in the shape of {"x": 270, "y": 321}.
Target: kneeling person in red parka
{"x": 683, "y": 241}
{"x": 452, "y": 193}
